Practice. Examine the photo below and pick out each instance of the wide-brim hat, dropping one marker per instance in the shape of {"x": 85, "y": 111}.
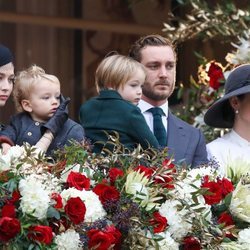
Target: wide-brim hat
{"x": 220, "y": 114}
{"x": 5, "y": 55}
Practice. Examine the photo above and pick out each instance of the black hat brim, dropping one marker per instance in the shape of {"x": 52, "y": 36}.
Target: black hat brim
{"x": 216, "y": 115}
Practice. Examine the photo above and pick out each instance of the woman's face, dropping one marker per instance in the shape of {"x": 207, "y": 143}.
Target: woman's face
{"x": 6, "y": 82}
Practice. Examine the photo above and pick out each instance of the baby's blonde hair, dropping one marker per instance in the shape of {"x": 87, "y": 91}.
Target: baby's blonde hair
{"x": 115, "y": 70}
{"x": 26, "y": 80}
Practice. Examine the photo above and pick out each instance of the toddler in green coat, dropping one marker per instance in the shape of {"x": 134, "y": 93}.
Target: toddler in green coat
{"x": 119, "y": 81}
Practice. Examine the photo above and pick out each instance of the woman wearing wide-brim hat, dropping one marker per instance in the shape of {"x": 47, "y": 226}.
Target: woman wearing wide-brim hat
{"x": 232, "y": 111}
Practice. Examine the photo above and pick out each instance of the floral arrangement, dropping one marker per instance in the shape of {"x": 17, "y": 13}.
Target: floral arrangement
{"x": 207, "y": 20}
{"x": 209, "y": 86}
{"x": 123, "y": 200}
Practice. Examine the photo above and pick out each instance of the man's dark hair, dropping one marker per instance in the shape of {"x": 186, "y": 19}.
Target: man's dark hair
{"x": 150, "y": 40}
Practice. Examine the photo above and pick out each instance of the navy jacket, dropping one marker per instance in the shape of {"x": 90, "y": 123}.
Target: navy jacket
{"x": 109, "y": 112}
{"x": 23, "y": 129}
{"x": 186, "y": 143}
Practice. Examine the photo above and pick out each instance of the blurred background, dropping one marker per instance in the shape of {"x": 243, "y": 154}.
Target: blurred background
{"x": 68, "y": 38}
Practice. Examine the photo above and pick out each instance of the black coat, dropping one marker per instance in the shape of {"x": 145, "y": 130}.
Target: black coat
{"x": 23, "y": 128}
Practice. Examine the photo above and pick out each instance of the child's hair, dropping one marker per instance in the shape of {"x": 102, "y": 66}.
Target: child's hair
{"x": 115, "y": 70}
{"x": 25, "y": 81}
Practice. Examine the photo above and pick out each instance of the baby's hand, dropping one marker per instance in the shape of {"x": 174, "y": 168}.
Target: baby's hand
{"x": 5, "y": 148}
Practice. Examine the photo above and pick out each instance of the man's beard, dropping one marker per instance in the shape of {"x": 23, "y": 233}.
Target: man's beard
{"x": 156, "y": 96}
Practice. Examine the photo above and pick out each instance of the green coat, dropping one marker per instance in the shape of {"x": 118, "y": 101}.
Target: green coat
{"x": 109, "y": 112}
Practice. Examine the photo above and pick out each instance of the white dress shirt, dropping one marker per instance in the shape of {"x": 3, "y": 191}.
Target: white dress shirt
{"x": 144, "y": 106}
{"x": 229, "y": 149}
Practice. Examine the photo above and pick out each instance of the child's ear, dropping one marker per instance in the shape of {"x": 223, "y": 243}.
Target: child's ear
{"x": 26, "y": 105}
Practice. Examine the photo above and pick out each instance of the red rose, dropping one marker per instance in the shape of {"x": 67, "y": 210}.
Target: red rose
{"x": 78, "y": 181}
{"x": 116, "y": 234}
{"x": 215, "y": 74}
{"x": 158, "y": 222}
{"x": 115, "y": 173}
{"x": 75, "y": 209}
{"x": 15, "y": 196}
{"x": 226, "y": 219}
{"x": 9, "y": 228}
{"x": 100, "y": 240}
{"x": 215, "y": 191}
{"x": 227, "y": 187}
{"x": 191, "y": 243}
{"x": 41, "y": 234}
{"x": 58, "y": 199}
{"x": 147, "y": 171}
{"x": 106, "y": 193}
{"x": 9, "y": 211}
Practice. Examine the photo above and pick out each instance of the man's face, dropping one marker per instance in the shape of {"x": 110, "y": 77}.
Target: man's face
{"x": 160, "y": 63}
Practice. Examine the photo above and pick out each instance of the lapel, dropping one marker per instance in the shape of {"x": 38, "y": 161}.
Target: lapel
{"x": 177, "y": 137}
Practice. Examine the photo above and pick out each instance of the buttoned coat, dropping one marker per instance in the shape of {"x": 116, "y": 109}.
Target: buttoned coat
{"x": 23, "y": 128}
{"x": 186, "y": 143}
{"x": 109, "y": 112}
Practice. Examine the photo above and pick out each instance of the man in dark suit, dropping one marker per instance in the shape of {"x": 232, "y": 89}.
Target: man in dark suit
{"x": 186, "y": 144}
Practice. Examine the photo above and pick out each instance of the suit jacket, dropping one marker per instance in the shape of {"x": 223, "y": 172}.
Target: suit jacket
{"x": 186, "y": 143}
{"x": 109, "y": 112}
{"x": 23, "y": 128}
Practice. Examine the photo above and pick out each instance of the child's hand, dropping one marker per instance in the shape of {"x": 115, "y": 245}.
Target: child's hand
{"x": 5, "y": 148}
{"x": 57, "y": 121}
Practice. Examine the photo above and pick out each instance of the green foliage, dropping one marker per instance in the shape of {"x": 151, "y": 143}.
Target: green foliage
{"x": 206, "y": 20}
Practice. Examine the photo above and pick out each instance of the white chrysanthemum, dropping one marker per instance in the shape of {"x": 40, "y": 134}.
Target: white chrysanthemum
{"x": 195, "y": 175}
{"x": 240, "y": 203}
{"x": 244, "y": 238}
{"x": 177, "y": 220}
{"x": 167, "y": 242}
{"x": 183, "y": 191}
{"x": 69, "y": 240}
{"x": 94, "y": 208}
{"x": 35, "y": 198}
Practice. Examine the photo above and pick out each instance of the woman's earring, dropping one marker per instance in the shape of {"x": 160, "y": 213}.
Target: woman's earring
{"x": 236, "y": 111}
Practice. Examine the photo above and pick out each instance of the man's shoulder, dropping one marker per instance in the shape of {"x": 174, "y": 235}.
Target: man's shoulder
{"x": 179, "y": 122}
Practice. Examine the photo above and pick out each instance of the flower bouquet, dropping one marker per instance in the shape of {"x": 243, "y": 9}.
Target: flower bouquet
{"x": 118, "y": 200}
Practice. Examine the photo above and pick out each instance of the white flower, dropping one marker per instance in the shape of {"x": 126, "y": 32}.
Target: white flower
{"x": 240, "y": 203}
{"x": 35, "y": 198}
{"x": 11, "y": 157}
{"x": 69, "y": 240}
{"x": 177, "y": 219}
{"x": 94, "y": 208}
{"x": 166, "y": 243}
{"x": 244, "y": 238}
{"x": 236, "y": 168}
{"x": 242, "y": 54}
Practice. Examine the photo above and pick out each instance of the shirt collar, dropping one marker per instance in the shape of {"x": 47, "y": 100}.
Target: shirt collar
{"x": 144, "y": 106}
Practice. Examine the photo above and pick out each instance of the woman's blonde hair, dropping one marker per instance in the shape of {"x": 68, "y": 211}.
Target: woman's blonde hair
{"x": 115, "y": 70}
{"x": 26, "y": 80}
